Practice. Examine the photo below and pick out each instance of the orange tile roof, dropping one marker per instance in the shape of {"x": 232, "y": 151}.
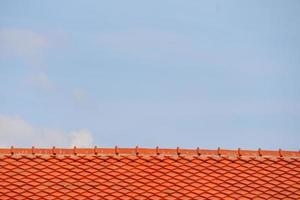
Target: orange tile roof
{"x": 139, "y": 173}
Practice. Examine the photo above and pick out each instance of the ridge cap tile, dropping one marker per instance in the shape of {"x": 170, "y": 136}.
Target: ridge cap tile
{"x": 137, "y": 151}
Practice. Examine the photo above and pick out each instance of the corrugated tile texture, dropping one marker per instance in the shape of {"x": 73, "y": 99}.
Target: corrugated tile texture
{"x": 148, "y": 176}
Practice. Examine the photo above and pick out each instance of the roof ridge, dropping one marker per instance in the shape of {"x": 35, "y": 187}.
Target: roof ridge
{"x": 149, "y": 151}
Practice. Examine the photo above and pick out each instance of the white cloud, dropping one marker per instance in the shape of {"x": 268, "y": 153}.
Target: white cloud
{"x": 81, "y": 138}
{"x": 18, "y": 132}
{"x": 22, "y": 43}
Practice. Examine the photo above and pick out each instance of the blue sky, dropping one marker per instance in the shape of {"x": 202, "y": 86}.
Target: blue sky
{"x": 168, "y": 73}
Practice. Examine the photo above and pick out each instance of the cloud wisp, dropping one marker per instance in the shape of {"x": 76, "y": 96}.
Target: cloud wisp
{"x": 31, "y": 46}
{"x": 18, "y": 132}
{"x": 81, "y": 138}
{"x": 23, "y": 43}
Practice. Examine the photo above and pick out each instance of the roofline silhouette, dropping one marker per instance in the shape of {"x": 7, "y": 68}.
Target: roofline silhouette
{"x": 149, "y": 151}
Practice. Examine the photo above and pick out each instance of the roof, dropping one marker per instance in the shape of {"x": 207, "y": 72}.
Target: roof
{"x": 140, "y": 173}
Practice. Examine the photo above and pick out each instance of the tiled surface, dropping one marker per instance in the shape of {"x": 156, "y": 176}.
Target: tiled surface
{"x": 130, "y": 176}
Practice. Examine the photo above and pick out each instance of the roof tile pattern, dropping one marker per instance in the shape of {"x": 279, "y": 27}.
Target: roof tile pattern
{"x": 148, "y": 176}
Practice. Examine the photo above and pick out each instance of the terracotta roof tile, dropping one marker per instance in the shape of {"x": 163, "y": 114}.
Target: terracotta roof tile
{"x": 139, "y": 173}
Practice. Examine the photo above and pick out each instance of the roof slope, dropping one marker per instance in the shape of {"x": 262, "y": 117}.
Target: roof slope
{"x": 148, "y": 174}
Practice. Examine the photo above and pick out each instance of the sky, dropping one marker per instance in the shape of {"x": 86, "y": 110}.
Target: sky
{"x": 167, "y": 73}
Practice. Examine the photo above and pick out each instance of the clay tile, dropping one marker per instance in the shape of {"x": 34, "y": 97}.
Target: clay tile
{"x": 234, "y": 174}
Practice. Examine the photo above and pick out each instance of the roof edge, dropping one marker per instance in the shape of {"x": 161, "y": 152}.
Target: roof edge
{"x": 148, "y": 151}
